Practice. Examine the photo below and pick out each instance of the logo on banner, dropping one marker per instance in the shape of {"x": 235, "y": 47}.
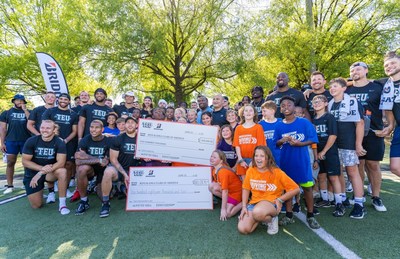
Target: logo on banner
{"x": 147, "y": 125}
{"x": 150, "y": 174}
{"x": 51, "y": 69}
{"x": 138, "y": 172}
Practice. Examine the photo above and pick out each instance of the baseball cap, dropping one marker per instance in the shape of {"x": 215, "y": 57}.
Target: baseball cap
{"x": 129, "y": 93}
{"x": 100, "y": 90}
{"x": 162, "y": 101}
{"x": 65, "y": 95}
{"x": 18, "y": 97}
{"x": 359, "y": 64}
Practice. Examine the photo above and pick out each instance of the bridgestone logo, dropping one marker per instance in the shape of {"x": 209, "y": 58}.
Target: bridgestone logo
{"x": 51, "y": 69}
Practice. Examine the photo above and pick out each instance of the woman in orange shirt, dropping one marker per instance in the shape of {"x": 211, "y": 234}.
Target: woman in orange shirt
{"x": 270, "y": 188}
{"x": 247, "y": 136}
{"x": 226, "y": 185}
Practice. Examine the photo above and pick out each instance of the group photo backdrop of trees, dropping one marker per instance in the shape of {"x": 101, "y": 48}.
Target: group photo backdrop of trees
{"x": 176, "y": 49}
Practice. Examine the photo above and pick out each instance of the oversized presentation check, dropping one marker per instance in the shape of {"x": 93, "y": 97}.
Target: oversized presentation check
{"x": 169, "y": 188}
{"x": 176, "y": 142}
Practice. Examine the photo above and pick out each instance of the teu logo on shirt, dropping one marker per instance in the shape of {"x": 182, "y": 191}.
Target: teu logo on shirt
{"x": 99, "y": 113}
{"x": 42, "y": 151}
{"x": 96, "y": 151}
{"x": 62, "y": 117}
{"x": 18, "y": 115}
{"x": 320, "y": 128}
{"x": 130, "y": 147}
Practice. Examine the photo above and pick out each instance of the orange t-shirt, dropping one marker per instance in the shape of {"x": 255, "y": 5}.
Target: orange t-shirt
{"x": 248, "y": 139}
{"x": 268, "y": 185}
{"x": 229, "y": 181}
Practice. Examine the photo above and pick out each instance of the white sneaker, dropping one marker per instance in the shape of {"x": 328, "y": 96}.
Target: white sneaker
{"x": 273, "y": 226}
{"x": 51, "y": 197}
{"x": 64, "y": 210}
{"x": 8, "y": 190}
{"x": 69, "y": 193}
{"x": 72, "y": 183}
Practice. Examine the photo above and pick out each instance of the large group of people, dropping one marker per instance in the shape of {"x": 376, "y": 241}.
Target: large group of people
{"x": 271, "y": 148}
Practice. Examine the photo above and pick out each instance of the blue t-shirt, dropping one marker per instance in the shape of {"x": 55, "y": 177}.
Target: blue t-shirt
{"x": 297, "y": 159}
{"x": 269, "y": 129}
{"x": 114, "y": 131}
{"x": 229, "y": 152}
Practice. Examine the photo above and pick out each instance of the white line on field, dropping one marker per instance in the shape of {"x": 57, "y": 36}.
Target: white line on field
{"x": 12, "y": 199}
{"x": 328, "y": 238}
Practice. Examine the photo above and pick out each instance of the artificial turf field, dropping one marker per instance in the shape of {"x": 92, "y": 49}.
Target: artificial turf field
{"x": 44, "y": 233}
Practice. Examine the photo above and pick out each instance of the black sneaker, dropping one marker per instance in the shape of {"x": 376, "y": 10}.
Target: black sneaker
{"x": 296, "y": 208}
{"x": 358, "y": 212}
{"x": 378, "y": 204}
{"x": 322, "y": 204}
{"x": 316, "y": 211}
{"x": 346, "y": 203}
{"x": 82, "y": 207}
{"x": 339, "y": 210}
{"x": 105, "y": 210}
{"x": 333, "y": 204}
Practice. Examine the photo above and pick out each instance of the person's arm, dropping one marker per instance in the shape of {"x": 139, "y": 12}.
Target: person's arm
{"x": 240, "y": 158}
{"x": 3, "y": 130}
{"x": 307, "y": 93}
{"x": 28, "y": 163}
{"x": 285, "y": 197}
{"x": 61, "y": 159}
{"x": 307, "y": 114}
{"x": 31, "y": 127}
{"x": 72, "y": 135}
{"x": 359, "y": 138}
{"x": 114, "y": 161}
{"x": 389, "y": 128}
{"x": 329, "y": 143}
{"x": 245, "y": 198}
{"x": 297, "y": 143}
{"x": 82, "y": 158}
{"x": 224, "y": 212}
{"x": 81, "y": 127}
{"x": 26, "y": 111}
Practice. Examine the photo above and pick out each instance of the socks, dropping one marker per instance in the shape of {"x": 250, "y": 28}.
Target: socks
{"x": 85, "y": 199}
{"x": 106, "y": 199}
{"x": 343, "y": 195}
{"x": 310, "y": 214}
{"x": 338, "y": 198}
{"x": 62, "y": 202}
{"x": 359, "y": 201}
{"x": 324, "y": 194}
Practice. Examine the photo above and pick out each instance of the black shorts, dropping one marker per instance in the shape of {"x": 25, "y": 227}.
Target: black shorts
{"x": 99, "y": 172}
{"x": 27, "y": 181}
{"x": 395, "y": 146}
{"x": 375, "y": 147}
{"x": 331, "y": 164}
{"x": 72, "y": 147}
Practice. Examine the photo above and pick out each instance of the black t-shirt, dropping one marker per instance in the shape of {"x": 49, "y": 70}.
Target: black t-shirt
{"x": 296, "y": 94}
{"x": 98, "y": 149}
{"x": 64, "y": 118}
{"x": 36, "y": 116}
{"x": 369, "y": 96}
{"x": 145, "y": 114}
{"x": 122, "y": 110}
{"x": 126, "y": 147}
{"x": 310, "y": 108}
{"x": 219, "y": 117}
{"x": 257, "y": 105}
{"x": 325, "y": 126}
{"x": 77, "y": 109}
{"x": 94, "y": 112}
{"x": 16, "y": 125}
{"x": 43, "y": 153}
{"x": 346, "y": 137}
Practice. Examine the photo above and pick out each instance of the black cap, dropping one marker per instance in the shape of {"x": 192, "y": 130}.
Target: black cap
{"x": 18, "y": 97}
{"x": 65, "y": 95}
{"x": 101, "y": 90}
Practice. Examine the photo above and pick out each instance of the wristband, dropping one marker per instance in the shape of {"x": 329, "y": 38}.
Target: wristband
{"x": 280, "y": 200}
{"x": 40, "y": 173}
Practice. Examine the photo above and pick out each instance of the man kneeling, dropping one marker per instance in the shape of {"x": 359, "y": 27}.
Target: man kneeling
{"x": 44, "y": 159}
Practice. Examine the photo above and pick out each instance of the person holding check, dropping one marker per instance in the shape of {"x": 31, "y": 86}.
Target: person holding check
{"x": 270, "y": 188}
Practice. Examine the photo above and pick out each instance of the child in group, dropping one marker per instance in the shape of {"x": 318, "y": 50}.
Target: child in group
{"x": 269, "y": 123}
{"x": 179, "y": 112}
{"x": 225, "y": 145}
{"x": 169, "y": 114}
{"x": 270, "y": 187}
{"x": 111, "y": 129}
{"x": 232, "y": 118}
{"x": 226, "y": 185}
{"x": 121, "y": 125}
{"x": 192, "y": 116}
{"x": 206, "y": 118}
{"x": 247, "y": 136}
{"x": 326, "y": 126}
{"x": 347, "y": 112}
{"x": 294, "y": 135}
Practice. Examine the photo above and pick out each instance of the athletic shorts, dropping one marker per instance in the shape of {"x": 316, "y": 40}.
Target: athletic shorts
{"x": 375, "y": 147}
{"x": 99, "y": 172}
{"x": 250, "y": 207}
{"x": 331, "y": 164}
{"x": 71, "y": 150}
{"x": 233, "y": 201}
{"x": 348, "y": 157}
{"x": 14, "y": 147}
{"x": 29, "y": 190}
{"x": 395, "y": 146}
{"x": 307, "y": 184}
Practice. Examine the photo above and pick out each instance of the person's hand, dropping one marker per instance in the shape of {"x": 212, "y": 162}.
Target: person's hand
{"x": 315, "y": 165}
{"x": 47, "y": 169}
{"x": 360, "y": 150}
{"x": 126, "y": 180}
{"x": 243, "y": 213}
{"x": 307, "y": 93}
{"x": 384, "y": 132}
{"x": 321, "y": 155}
{"x": 104, "y": 161}
{"x": 244, "y": 164}
{"x": 294, "y": 142}
{"x": 3, "y": 148}
{"x": 278, "y": 207}
{"x": 224, "y": 215}
{"x": 35, "y": 179}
